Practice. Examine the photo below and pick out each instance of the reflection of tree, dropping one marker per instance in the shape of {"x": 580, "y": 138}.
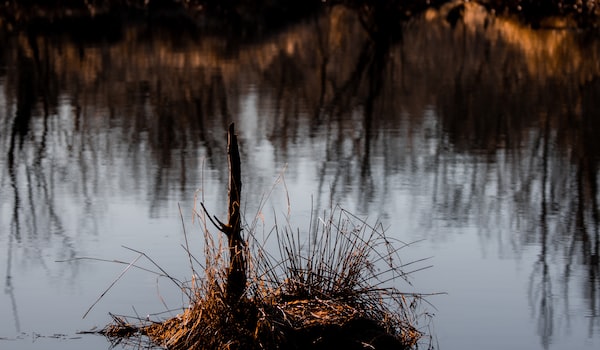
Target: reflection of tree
{"x": 543, "y": 290}
{"x": 549, "y": 179}
{"x": 588, "y": 215}
{"x": 570, "y": 207}
{"x": 32, "y": 190}
{"x": 18, "y": 132}
{"x": 504, "y": 129}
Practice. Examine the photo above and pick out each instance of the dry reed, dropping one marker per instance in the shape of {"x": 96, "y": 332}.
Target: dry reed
{"x": 333, "y": 286}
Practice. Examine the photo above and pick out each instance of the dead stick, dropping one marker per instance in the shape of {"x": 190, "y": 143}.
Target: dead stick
{"x": 236, "y": 275}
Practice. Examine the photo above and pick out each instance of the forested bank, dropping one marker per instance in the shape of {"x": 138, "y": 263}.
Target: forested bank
{"x": 258, "y": 16}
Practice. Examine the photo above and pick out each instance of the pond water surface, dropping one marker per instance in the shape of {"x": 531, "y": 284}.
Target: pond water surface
{"x": 478, "y": 142}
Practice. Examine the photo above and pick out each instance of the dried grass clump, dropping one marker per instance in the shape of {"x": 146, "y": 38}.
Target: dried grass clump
{"x": 335, "y": 286}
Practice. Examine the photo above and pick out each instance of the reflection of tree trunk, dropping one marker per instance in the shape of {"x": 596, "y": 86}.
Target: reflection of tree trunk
{"x": 594, "y": 281}
{"x": 587, "y": 190}
{"x": 367, "y": 76}
{"x": 587, "y": 193}
{"x": 8, "y": 285}
{"x": 20, "y": 129}
{"x": 545, "y": 312}
{"x": 322, "y": 35}
{"x": 586, "y": 234}
{"x": 376, "y": 78}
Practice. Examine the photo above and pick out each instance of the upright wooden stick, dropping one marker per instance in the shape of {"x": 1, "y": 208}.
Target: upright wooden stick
{"x": 236, "y": 275}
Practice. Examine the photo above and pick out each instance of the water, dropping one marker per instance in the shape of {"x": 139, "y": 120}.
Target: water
{"x": 478, "y": 145}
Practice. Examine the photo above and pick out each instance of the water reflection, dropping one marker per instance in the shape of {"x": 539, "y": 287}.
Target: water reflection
{"x": 493, "y": 123}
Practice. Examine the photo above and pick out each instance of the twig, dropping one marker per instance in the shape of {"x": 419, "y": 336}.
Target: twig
{"x": 187, "y": 246}
{"x": 221, "y": 226}
{"x": 113, "y": 261}
{"x": 112, "y": 284}
{"x": 177, "y": 282}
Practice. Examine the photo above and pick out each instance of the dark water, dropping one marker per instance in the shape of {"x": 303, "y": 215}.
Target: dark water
{"x": 477, "y": 142}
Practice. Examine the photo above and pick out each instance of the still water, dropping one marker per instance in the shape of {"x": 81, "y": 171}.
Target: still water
{"x": 478, "y": 143}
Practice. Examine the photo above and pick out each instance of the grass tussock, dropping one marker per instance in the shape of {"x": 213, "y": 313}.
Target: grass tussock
{"x": 335, "y": 286}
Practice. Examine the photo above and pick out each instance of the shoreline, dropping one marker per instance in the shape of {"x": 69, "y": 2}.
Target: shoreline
{"x": 261, "y": 17}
